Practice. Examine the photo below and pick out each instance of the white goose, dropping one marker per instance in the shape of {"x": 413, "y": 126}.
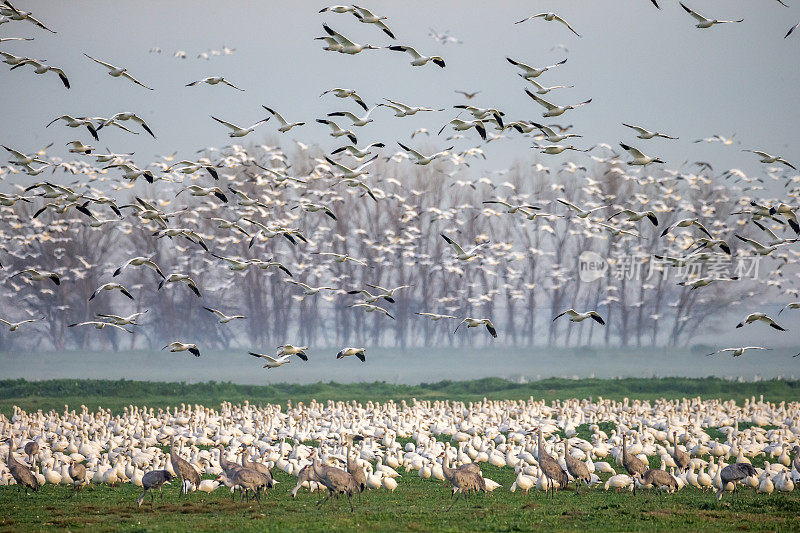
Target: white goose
{"x": 549, "y": 17}
{"x": 214, "y": 80}
{"x": 238, "y": 131}
{"x": 285, "y": 125}
{"x": 575, "y": 316}
{"x": 417, "y": 59}
{"x": 461, "y": 254}
{"x": 552, "y": 110}
{"x": 533, "y": 72}
{"x": 422, "y": 159}
{"x": 703, "y": 22}
{"x": 348, "y": 46}
{"x": 116, "y": 72}
{"x": 638, "y": 157}
{"x": 646, "y": 134}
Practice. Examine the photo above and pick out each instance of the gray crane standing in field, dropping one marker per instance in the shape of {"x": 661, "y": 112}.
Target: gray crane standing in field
{"x": 353, "y": 468}
{"x": 20, "y": 471}
{"x": 733, "y": 474}
{"x": 249, "y": 479}
{"x": 681, "y": 458}
{"x": 258, "y": 467}
{"x": 464, "y": 480}
{"x": 632, "y": 464}
{"x": 183, "y": 469}
{"x": 577, "y": 469}
{"x": 336, "y": 480}
{"x": 658, "y": 479}
{"x": 32, "y": 450}
{"x": 550, "y": 467}
{"x": 77, "y": 471}
{"x": 306, "y": 475}
{"x": 153, "y": 480}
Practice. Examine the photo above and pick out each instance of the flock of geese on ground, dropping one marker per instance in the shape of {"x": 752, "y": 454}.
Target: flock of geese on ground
{"x": 346, "y": 448}
{"x": 62, "y": 198}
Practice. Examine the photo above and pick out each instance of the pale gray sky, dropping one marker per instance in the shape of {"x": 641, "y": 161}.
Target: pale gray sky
{"x": 639, "y": 64}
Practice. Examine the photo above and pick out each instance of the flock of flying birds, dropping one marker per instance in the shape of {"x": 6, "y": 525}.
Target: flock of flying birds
{"x": 355, "y": 176}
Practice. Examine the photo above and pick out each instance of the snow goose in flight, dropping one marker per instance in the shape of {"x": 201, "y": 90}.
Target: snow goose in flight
{"x": 367, "y": 17}
{"x": 341, "y": 258}
{"x": 331, "y": 44}
{"x": 533, "y": 72}
{"x": 736, "y": 352}
{"x": 23, "y": 159}
{"x": 435, "y": 316}
{"x": 223, "y": 318}
{"x": 308, "y": 290}
{"x": 11, "y": 59}
{"x": 42, "y": 68}
{"x": 512, "y": 208}
{"x": 36, "y": 275}
{"x": 404, "y": 110}
{"x": 371, "y": 298}
{"x": 132, "y": 172}
{"x": 315, "y": 208}
{"x": 685, "y": 223}
{"x": 703, "y": 22}
{"x": 788, "y": 212}
{"x": 285, "y": 126}
{"x": 73, "y": 122}
{"x": 557, "y": 149}
{"x": 767, "y": 158}
{"x": 116, "y": 72}
{"x": 422, "y": 159}
{"x": 760, "y": 317}
{"x": 758, "y": 248}
{"x": 475, "y": 322}
{"x": 176, "y": 278}
{"x": 579, "y": 212}
{"x": 793, "y": 305}
{"x": 461, "y": 254}
{"x": 338, "y": 131}
{"x": 575, "y": 316}
{"x": 190, "y": 167}
{"x": 541, "y": 89}
{"x": 273, "y": 362}
{"x": 183, "y": 347}
{"x": 352, "y": 173}
{"x": 635, "y": 216}
{"x": 370, "y": 308}
{"x": 140, "y": 261}
{"x": 638, "y": 157}
{"x": 338, "y": 9}
{"x": 417, "y": 59}
{"x": 774, "y": 239}
{"x": 4, "y": 39}
{"x": 99, "y": 325}
{"x": 348, "y": 46}
{"x": 76, "y": 147}
{"x": 388, "y": 294}
{"x": 363, "y": 121}
{"x": 129, "y": 115}
{"x": 214, "y": 80}
{"x": 299, "y": 351}
{"x": 552, "y": 110}
{"x": 700, "y": 282}
{"x": 111, "y": 287}
{"x": 646, "y": 134}
{"x": 238, "y": 131}
{"x": 549, "y": 17}
{"x": 356, "y": 152}
{"x": 8, "y": 10}
{"x": 552, "y": 136}
{"x": 791, "y": 30}
{"x": 360, "y": 353}
{"x": 123, "y": 320}
{"x": 347, "y": 93}
{"x": 14, "y": 326}
{"x": 463, "y": 125}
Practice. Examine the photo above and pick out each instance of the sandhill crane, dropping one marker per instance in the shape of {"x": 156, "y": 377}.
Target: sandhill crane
{"x": 681, "y": 458}
{"x": 353, "y": 467}
{"x": 550, "y": 467}
{"x": 463, "y": 480}
{"x": 337, "y": 482}
{"x": 153, "y": 480}
{"x": 631, "y": 463}
{"x": 20, "y": 471}
{"x": 576, "y": 468}
{"x": 734, "y": 473}
{"x": 259, "y": 467}
{"x": 31, "y": 450}
{"x": 77, "y": 471}
{"x": 183, "y": 468}
{"x": 657, "y": 479}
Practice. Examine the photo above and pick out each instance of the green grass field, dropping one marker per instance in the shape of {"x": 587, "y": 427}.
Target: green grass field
{"x": 416, "y": 505}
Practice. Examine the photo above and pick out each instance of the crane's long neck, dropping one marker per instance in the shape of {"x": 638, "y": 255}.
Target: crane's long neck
{"x": 446, "y": 470}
